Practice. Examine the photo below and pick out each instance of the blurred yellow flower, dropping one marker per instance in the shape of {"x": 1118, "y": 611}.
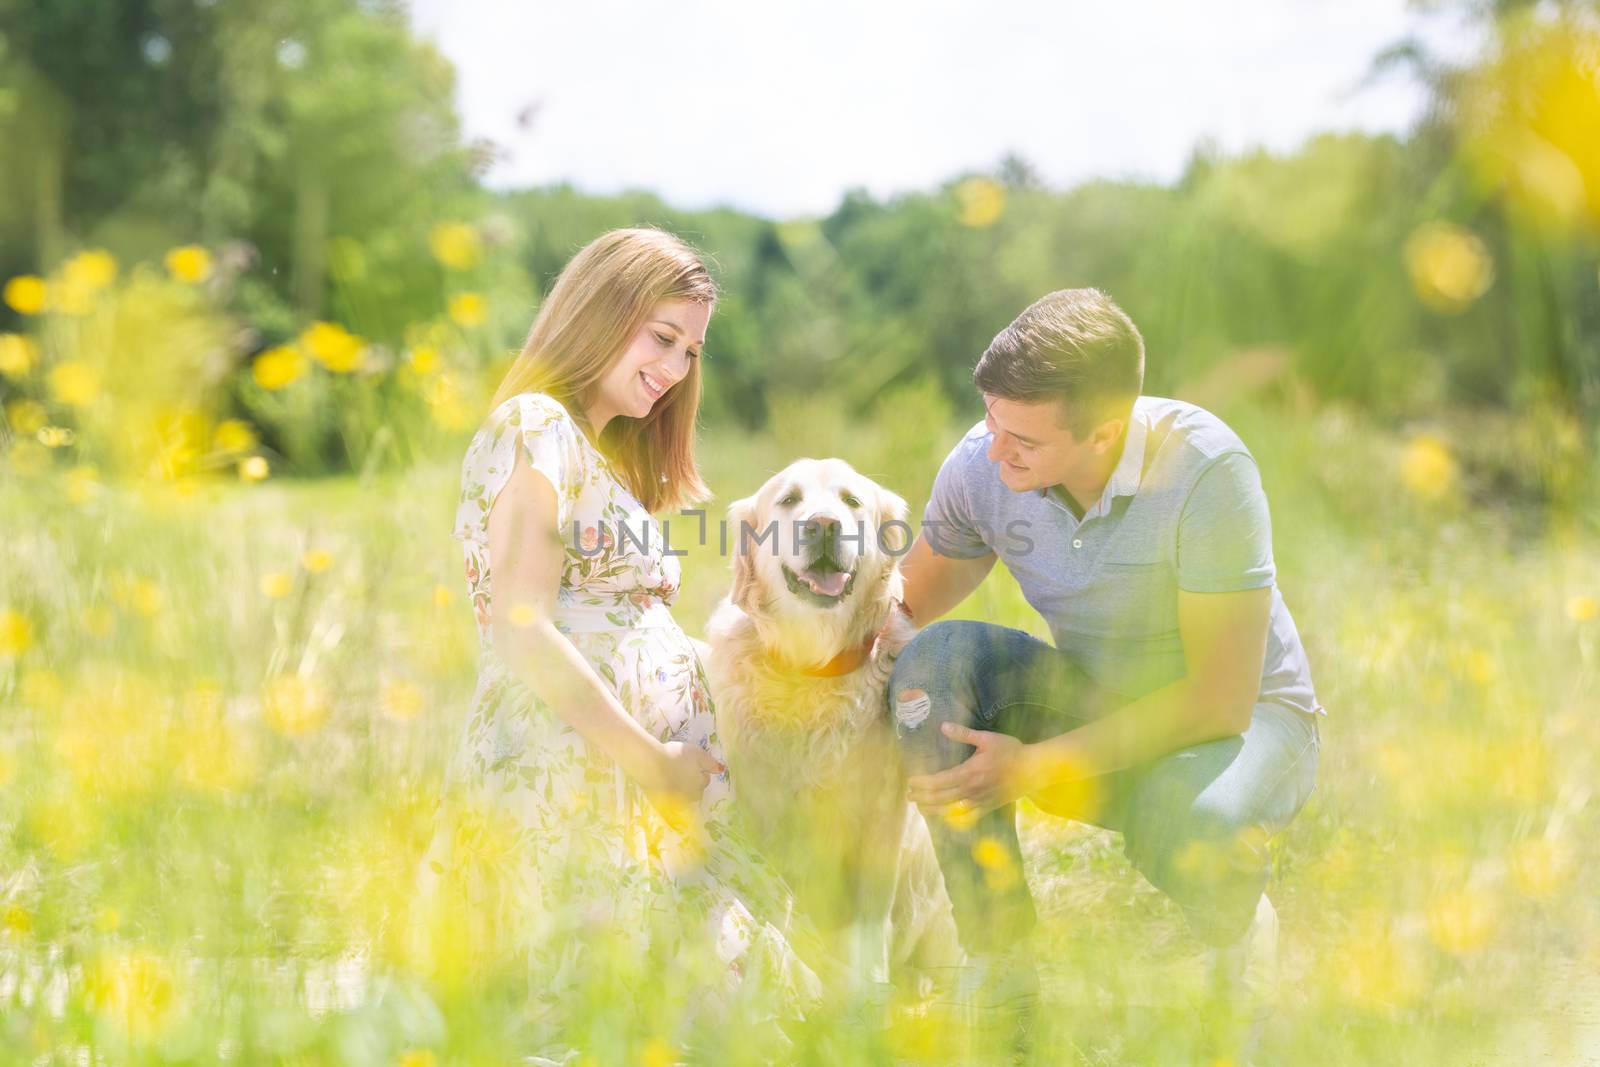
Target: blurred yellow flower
{"x": 55, "y": 436}
{"x": 276, "y": 585}
{"x": 331, "y": 345}
{"x": 82, "y": 484}
{"x": 278, "y": 367}
{"x": 93, "y": 269}
{"x": 107, "y": 919}
{"x": 253, "y": 469}
{"x": 18, "y": 354}
{"x": 136, "y": 991}
{"x": 657, "y": 1053}
{"x": 26, "y": 294}
{"x": 443, "y": 596}
{"x": 999, "y": 870}
{"x": 522, "y": 615}
{"x": 456, "y": 245}
{"x": 1377, "y": 968}
{"x": 16, "y": 634}
{"x": 15, "y": 921}
{"x": 1529, "y": 118}
{"x": 74, "y": 383}
{"x": 233, "y": 435}
{"x": 960, "y": 816}
{"x": 417, "y": 1057}
{"x": 401, "y": 700}
{"x": 27, "y": 417}
{"x": 1449, "y": 266}
{"x": 96, "y": 620}
{"x": 424, "y": 359}
{"x": 1427, "y": 468}
{"x": 1461, "y": 920}
{"x": 1540, "y": 866}
{"x": 316, "y": 560}
{"x": 468, "y": 310}
{"x": 189, "y": 263}
{"x": 980, "y": 202}
{"x": 295, "y": 706}
{"x": 1583, "y": 608}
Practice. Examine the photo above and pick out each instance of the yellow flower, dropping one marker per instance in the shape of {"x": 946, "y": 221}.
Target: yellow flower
{"x": 522, "y": 615}
{"x": 442, "y": 596}
{"x": 981, "y": 202}
{"x": 316, "y": 560}
{"x": 657, "y": 1053}
{"x": 16, "y": 634}
{"x": 295, "y": 706}
{"x": 1449, "y": 266}
{"x": 96, "y": 620}
{"x": 189, "y": 263}
{"x": 15, "y": 921}
{"x": 74, "y": 383}
{"x": 456, "y": 245}
{"x": 26, "y": 293}
{"x": 402, "y": 701}
{"x": 1583, "y": 608}
{"x": 233, "y": 435}
{"x": 253, "y": 469}
{"x": 55, "y": 436}
{"x": 961, "y": 816}
{"x": 93, "y": 269}
{"x": 1461, "y": 921}
{"x": 333, "y": 346}
{"x": 27, "y": 417}
{"x": 276, "y": 586}
{"x": 468, "y": 310}
{"x": 82, "y": 484}
{"x": 278, "y": 367}
{"x": 424, "y": 359}
{"x": 18, "y": 354}
{"x": 1540, "y": 866}
{"x": 418, "y": 1057}
{"x": 135, "y": 991}
{"x": 1427, "y": 468}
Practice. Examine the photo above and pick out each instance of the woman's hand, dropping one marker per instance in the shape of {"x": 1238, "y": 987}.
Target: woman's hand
{"x": 681, "y": 776}
{"x": 999, "y": 772}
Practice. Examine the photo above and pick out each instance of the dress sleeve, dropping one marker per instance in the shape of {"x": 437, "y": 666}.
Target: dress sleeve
{"x": 540, "y": 428}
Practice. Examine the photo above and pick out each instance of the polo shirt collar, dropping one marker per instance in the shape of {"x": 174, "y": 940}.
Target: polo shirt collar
{"x": 1124, "y": 480}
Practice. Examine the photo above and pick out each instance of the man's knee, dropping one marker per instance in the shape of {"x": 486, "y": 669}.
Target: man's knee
{"x": 1213, "y": 846}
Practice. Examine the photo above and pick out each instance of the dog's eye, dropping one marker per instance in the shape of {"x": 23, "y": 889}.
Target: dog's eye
{"x": 851, "y": 500}
{"x": 789, "y": 501}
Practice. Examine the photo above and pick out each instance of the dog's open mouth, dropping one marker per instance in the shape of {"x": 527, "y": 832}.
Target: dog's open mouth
{"x": 822, "y": 582}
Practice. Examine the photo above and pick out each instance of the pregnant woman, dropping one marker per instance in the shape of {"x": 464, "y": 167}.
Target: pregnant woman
{"x": 590, "y": 761}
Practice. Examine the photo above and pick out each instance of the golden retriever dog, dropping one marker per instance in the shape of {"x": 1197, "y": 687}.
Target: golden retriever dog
{"x": 800, "y": 694}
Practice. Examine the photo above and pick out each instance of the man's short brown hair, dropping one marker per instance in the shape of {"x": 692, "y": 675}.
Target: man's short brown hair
{"x": 1075, "y": 346}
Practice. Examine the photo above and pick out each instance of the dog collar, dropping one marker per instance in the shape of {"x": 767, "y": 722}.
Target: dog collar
{"x": 846, "y": 662}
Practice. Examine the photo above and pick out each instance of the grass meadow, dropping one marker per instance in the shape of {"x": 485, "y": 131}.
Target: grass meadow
{"x": 227, "y": 707}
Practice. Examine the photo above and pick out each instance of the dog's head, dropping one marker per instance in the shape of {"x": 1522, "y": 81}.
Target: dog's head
{"x": 814, "y": 554}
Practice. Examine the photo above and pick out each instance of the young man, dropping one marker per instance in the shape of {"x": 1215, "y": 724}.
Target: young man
{"x": 1177, "y": 694}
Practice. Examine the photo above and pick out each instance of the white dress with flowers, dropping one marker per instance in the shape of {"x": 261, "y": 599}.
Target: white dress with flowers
{"x": 577, "y": 839}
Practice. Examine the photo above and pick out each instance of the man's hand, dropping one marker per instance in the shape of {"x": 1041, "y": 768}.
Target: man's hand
{"x": 998, "y": 773}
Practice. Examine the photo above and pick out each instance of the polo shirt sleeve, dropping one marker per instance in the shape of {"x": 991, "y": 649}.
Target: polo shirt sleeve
{"x": 1224, "y": 530}
{"x": 948, "y": 522}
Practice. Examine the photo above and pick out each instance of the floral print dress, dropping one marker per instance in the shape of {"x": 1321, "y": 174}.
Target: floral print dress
{"x": 577, "y": 840}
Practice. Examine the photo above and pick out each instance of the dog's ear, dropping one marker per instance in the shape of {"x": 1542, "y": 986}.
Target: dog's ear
{"x": 892, "y": 511}
{"x": 741, "y": 513}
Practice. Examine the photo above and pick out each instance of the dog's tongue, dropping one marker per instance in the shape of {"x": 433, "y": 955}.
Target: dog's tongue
{"x": 830, "y": 584}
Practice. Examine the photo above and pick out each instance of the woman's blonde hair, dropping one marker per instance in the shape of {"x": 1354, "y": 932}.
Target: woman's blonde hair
{"x": 591, "y": 315}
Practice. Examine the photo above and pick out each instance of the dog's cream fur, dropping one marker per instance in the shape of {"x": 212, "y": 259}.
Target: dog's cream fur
{"x": 813, "y": 758}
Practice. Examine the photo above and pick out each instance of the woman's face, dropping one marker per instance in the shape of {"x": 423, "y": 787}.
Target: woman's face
{"x": 655, "y": 360}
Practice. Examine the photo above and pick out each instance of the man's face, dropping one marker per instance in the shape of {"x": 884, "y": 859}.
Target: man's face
{"x": 1034, "y": 451}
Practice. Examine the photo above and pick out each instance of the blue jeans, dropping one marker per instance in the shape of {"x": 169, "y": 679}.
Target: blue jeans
{"x": 1195, "y": 822}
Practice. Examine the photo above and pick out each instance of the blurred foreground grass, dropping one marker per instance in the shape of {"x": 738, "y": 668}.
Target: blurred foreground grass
{"x": 227, "y": 710}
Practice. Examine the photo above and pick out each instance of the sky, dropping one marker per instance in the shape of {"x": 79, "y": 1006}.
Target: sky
{"x": 781, "y": 107}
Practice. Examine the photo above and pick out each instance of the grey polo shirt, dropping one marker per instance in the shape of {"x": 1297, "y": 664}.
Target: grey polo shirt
{"x": 1184, "y": 509}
